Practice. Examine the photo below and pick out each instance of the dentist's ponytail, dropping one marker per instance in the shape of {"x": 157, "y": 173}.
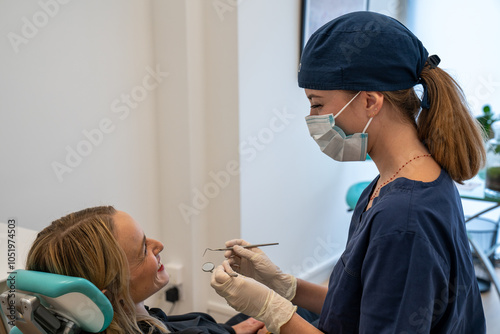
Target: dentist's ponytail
{"x": 447, "y": 128}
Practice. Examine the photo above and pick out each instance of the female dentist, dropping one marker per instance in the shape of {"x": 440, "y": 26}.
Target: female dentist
{"x": 407, "y": 265}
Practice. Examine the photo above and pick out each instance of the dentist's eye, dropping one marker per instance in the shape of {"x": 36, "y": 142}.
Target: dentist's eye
{"x": 315, "y": 106}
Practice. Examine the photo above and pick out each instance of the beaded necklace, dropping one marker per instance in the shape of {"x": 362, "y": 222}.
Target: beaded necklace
{"x": 375, "y": 193}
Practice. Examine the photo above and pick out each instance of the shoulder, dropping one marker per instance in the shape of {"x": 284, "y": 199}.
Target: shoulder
{"x": 414, "y": 206}
{"x": 428, "y": 212}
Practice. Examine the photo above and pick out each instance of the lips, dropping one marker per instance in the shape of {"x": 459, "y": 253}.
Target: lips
{"x": 160, "y": 265}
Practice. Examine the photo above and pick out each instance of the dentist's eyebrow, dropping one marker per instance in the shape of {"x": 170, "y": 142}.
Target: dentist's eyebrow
{"x": 311, "y": 96}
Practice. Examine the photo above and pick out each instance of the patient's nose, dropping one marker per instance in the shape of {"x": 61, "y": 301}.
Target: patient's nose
{"x": 158, "y": 246}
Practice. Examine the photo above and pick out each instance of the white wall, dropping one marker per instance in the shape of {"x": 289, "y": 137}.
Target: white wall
{"x": 14, "y": 257}
{"x": 198, "y": 133}
{"x": 393, "y": 8}
{"x": 75, "y": 60}
{"x": 464, "y": 35}
{"x": 63, "y": 65}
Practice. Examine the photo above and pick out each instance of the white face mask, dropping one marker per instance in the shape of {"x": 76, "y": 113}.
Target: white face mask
{"x": 333, "y": 141}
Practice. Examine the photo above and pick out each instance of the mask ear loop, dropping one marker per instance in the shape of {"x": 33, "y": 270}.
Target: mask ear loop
{"x": 348, "y": 103}
{"x": 369, "y": 121}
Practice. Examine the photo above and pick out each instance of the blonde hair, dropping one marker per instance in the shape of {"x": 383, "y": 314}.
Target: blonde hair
{"x": 82, "y": 244}
{"x": 450, "y": 133}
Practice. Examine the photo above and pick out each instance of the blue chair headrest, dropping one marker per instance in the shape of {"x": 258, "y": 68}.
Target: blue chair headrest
{"x": 74, "y": 298}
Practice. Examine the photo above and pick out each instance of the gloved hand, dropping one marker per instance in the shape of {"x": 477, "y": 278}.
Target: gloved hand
{"x": 252, "y": 298}
{"x": 252, "y": 262}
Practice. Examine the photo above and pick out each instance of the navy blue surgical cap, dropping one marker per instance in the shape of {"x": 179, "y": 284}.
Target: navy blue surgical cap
{"x": 362, "y": 51}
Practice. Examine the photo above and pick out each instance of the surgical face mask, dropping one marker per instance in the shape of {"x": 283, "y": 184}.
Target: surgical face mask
{"x": 333, "y": 141}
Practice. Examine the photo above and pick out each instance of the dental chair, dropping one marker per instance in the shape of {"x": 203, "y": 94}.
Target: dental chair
{"x": 44, "y": 303}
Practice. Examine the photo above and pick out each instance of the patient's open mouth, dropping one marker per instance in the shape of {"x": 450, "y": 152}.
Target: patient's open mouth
{"x": 160, "y": 265}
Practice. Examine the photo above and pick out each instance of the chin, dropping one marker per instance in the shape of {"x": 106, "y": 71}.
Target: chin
{"x": 162, "y": 278}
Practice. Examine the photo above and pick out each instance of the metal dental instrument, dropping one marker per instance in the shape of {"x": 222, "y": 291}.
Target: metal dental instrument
{"x": 209, "y": 267}
{"x": 230, "y": 248}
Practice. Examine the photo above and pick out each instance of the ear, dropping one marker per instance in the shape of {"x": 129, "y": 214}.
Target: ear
{"x": 107, "y": 294}
{"x": 373, "y": 102}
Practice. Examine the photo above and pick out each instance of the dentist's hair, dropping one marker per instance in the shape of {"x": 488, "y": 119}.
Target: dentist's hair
{"x": 447, "y": 128}
{"x": 82, "y": 244}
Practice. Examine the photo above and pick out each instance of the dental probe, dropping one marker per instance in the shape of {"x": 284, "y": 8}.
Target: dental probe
{"x": 247, "y": 246}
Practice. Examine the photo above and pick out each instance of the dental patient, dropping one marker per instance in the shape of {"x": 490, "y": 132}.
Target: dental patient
{"x": 109, "y": 248}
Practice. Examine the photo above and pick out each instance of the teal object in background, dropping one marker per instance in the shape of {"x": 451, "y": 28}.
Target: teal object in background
{"x": 74, "y": 297}
{"x": 482, "y": 174}
{"x": 354, "y": 192}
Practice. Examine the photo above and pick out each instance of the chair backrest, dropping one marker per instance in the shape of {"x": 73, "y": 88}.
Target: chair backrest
{"x": 45, "y": 303}
{"x": 4, "y": 321}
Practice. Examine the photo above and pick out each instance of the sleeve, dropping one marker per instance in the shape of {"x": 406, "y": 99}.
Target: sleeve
{"x": 405, "y": 286}
{"x": 228, "y": 328}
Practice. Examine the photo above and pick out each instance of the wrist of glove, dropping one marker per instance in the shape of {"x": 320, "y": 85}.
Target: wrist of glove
{"x": 285, "y": 285}
{"x": 255, "y": 263}
{"x": 252, "y": 298}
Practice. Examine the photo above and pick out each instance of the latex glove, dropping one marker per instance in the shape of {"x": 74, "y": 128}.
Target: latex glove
{"x": 252, "y": 298}
{"x": 253, "y": 262}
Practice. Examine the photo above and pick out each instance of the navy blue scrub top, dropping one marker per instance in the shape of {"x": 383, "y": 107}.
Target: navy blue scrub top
{"x": 407, "y": 266}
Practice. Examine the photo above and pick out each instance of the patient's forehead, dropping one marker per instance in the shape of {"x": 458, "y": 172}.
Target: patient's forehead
{"x": 128, "y": 233}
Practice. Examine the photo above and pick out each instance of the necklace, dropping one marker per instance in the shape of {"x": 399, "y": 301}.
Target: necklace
{"x": 375, "y": 193}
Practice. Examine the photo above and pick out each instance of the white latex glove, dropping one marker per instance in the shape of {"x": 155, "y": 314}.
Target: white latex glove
{"x": 253, "y": 262}
{"x": 252, "y": 298}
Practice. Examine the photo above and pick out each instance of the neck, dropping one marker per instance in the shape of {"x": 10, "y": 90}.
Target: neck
{"x": 395, "y": 147}
{"x": 397, "y": 151}
{"x": 140, "y": 309}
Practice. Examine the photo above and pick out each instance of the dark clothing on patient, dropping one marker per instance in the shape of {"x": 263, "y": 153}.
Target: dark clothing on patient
{"x": 190, "y": 323}
{"x": 202, "y": 323}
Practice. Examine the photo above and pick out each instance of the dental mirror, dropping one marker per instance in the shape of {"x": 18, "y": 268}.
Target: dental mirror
{"x": 208, "y": 267}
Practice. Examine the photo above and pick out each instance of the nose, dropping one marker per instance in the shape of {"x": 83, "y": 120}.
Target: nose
{"x": 157, "y": 246}
{"x": 313, "y": 112}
